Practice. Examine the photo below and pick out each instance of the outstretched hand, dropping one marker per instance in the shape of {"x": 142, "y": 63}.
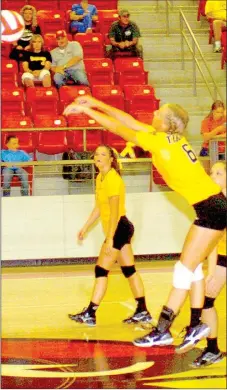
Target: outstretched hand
{"x": 87, "y": 101}
{"x": 73, "y": 108}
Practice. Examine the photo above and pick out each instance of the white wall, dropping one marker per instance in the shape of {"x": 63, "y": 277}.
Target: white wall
{"x": 46, "y": 226}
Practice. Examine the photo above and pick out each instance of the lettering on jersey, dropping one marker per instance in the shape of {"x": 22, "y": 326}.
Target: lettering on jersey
{"x": 172, "y": 138}
{"x": 42, "y": 59}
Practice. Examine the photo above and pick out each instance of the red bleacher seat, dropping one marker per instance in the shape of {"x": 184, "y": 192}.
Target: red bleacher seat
{"x": 42, "y": 101}
{"x": 50, "y": 41}
{"x": 51, "y": 21}
{"x": 67, "y": 94}
{"x": 5, "y": 49}
{"x": 157, "y": 178}
{"x": 81, "y": 139}
{"x": 16, "y": 181}
{"x": 26, "y": 140}
{"x": 99, "y": 71}
{"x": 105, "y": 4}
{"x": 14, "y": 5}
{"x": 52, "y": 142}
{"x": 110, "y": 94}
{"x": 106, "y": 18}
{"x": 65, "y": 5}
{"x": 223, "y": 43}
{"x": 92, "y": 44}
{"x": 201, "y": 9}
{"x": 140, "y": 98}
{"x": 13, "y": 101}
{"x": 50, "y": 121}
{"x": 16, "y": 122}
{"x": 9, "y": 73}
{"x": 133, "y": 78}
{"x": 44, "y": 5}
{"x": 114, "y": 140}
{"x": 143, "y": 116}
{"x": 127, "y": 65}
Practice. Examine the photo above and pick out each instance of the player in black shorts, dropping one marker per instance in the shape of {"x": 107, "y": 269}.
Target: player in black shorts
{"x": 118, "y": 230}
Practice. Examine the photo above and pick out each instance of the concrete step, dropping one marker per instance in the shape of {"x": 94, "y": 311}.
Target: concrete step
{"x": 172, "y": 63}
{"x": 173, "y": 39}
{"x": 184, "y": 91}
{"x": 151, "y": 50}
{"x": 190, "y": 103}
{"x": 159, "y": 77}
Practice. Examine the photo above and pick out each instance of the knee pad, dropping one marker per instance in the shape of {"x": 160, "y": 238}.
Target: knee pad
{"x": 198, "y": 273}
{"x": 128, "y": 270}
{"x": 100, "y": 272}
{"x": 208, "y": 303}
{"x": 182, "y": 276}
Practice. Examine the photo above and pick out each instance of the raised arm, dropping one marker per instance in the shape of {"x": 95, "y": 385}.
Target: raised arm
{"x": 120, "y": 115}
{"x": 108, "y": 122}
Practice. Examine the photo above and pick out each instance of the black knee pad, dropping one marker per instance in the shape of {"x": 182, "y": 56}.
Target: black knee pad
{"x": 208, "y": 303}
{"x": 100, "y": 272}
{"x": 128, "y": 270}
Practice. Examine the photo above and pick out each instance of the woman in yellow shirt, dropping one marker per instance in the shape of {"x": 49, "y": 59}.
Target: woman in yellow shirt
{"x": 177, "y": 163}
{"x": 215, "y": 281}
{"x": 118, "y": 230}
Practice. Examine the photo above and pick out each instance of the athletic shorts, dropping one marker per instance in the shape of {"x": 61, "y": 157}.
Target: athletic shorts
{"x": 212, "y": 212}
{"x": 222, "y": 261}
{"x": 123, "y": 234}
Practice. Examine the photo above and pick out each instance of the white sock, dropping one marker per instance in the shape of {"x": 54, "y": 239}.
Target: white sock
{"x": 217, "y": 44}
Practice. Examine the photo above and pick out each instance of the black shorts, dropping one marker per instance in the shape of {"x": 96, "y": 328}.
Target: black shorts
{"x": 212, "y": 212}
{"x": 222, "y": 261}
{"x": 123, "y": 234}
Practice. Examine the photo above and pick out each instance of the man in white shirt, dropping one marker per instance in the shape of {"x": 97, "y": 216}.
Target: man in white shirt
{"x": 67, "y": 61}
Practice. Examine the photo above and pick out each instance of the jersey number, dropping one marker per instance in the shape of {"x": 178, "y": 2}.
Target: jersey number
{"x": 190, "y": 153}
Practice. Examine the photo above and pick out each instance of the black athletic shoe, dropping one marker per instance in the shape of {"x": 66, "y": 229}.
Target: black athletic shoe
{"x": 207, "y": 358}
{"x": 83, "y": 317}
{"x": 192, "y": 337}
{"x": 142, "y": 317}
{"x": 154, "y": 338}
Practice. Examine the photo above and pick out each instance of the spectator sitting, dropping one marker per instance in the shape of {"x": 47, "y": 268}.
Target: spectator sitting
{"x": 82, "y": 17}
{"x": 37, "y": 63}
{"x": 12, "y": 154}
{"x": 124, "y": 36}
{"x": 216, "y": 10}
{"x": 28, "y": 13}
{"x": 213, "y": 125}
{"x": 67, "y": 61}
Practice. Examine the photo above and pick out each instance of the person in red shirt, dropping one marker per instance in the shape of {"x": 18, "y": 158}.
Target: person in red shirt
{"x": 214, "y": 125}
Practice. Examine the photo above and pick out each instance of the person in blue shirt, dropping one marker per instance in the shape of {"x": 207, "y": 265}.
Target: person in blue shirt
{"x": 13, "y": 154}
{"x": 82, "y": 17}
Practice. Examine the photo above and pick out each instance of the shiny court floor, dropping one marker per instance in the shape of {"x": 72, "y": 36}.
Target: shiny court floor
{"x": 43, "y": 349}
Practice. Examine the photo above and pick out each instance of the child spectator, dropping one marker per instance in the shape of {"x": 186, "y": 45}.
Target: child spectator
{"x": 13, "y": 154}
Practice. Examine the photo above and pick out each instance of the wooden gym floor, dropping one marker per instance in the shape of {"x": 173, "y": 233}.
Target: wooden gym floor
{"x": 43, "y": 349}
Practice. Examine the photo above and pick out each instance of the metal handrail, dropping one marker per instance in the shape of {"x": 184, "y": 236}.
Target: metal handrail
{"x": 192, "y": 49}
{"x": 168, "y": 5}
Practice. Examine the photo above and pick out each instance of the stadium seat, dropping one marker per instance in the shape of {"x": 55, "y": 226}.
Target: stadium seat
{"x": 133, "y": 78}
{"x": 67, "y": 94}
{"x": 52, "y": 142}
{"x": 44, "y": 5}
{"x": 201, "y": 9}
{"x": 92, "y": 44}
{"x": 51, "y": 21}
{"x": 5, "y": 49}
{"x": 43, "y": 121}
{"x": 17, "y": 183}
{"x": 13, "y": 101}
{"x": 124, "y": 65}
{"x": 16, "y": 122}
{"x": 223, "y": 43}
{"x": 105, "y": 4}
{"x": 42, "y": 101}
{"x": 14, "y": 5}
{"x": 50, "y": 41}
{"x": 99, "y": 71}
{"x": 9, "y": 73}
{"x": 110, "y": 94}
{"x": 65, "y": 5}
{"x": 106, "y": 18}
{"x": 143, "y": 116}
{"x": 157, "y": 178}
{"x": 81, "y": 140}
{"x": 114, "y": 141}
{"x": 140, "y": 98}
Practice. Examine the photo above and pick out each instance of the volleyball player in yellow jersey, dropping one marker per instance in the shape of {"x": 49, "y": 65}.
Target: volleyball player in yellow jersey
{"x": 118, "y": 230}
{"x": 180, "y": 168}
{"x": 215, "y": 281}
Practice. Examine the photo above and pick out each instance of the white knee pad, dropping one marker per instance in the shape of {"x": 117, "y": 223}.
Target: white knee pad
{"x": 182, "y": 276}
{"x": 198, "y": 273}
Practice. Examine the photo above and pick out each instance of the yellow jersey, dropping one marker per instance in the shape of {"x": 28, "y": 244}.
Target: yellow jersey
{"x": 216, "y": 9}
{"x": 222, "y": 245}
{"x": 111, "y": 185}
{"x": 175, "y": 160}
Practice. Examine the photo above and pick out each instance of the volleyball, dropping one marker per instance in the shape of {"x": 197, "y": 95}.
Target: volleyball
{"x": 12, "y": 26}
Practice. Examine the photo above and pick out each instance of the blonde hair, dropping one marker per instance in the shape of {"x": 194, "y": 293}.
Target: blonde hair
{"x": 34, "y": 14}
{"x": 34, "y": 37}
{"x": 177, "y": 119}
